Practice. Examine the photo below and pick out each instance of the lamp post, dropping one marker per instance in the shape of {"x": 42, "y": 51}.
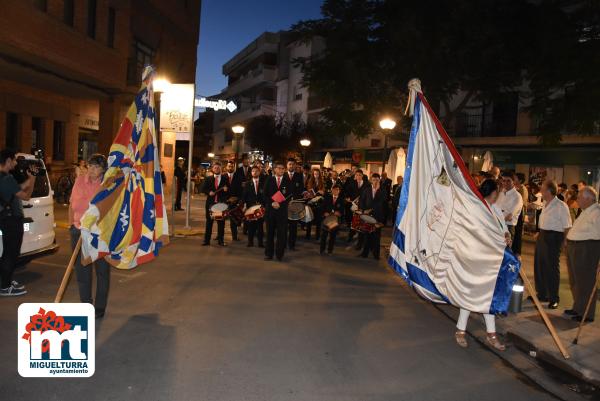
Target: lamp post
{"x": 160, "y": 85}
{"x": 305, "y": 143}
{"x": 387, "y": 125}
{"x": 238, "y": 130}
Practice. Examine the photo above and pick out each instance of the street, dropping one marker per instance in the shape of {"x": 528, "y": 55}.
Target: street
{"x": 222, "y": 324}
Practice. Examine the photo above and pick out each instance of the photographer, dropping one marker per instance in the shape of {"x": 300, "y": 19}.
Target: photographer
{"x": 11, "y": 220}
{"x": 85, "y": 188}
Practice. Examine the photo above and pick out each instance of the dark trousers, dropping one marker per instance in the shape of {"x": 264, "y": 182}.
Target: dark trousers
{"x": 517, "y": 242}
{"x": 331, "y": 234}
{"x": 255, "y": 228}
{"x": 582, "y": 260}
{"x": 84, "y": 276}
{"x": 372, "y": 242}
{"x": 234, "y": 229}
{"x": 209, "y": 226}
{"x": 178, "y": 195}
{"x": 277, "y": 223}
{"x": 316, "y": 223}
{"x": 546, "y": 264}
{"x": 292, "y": 227}
{"x": 12, "y": 238}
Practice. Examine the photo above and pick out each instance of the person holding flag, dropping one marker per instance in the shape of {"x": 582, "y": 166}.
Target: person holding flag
{"x": 86, "y": 186}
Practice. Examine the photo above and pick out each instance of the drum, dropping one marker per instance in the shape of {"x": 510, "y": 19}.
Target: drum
{"x": 296, "y": 210}
{"x": 331, "y": 222}
{"x": 236, "y": 214}
{"x": 218, "y": 211}
{"x": 309, "y": 215}
{"x": 254, "y": 213}
{"x": 363, "y": 223}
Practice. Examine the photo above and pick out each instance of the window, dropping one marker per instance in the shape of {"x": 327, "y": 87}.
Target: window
{"x": 142, "y": 56}
{"x": 41, "y": 5}
{"x": 36, "y": 133}
{"x": 69, "y": 12}
{"x": 91, "y": 14}
{"x": 58, "y": 142}
{"x": 110, "y": 40}
{"x": 297, "y": 93}
{"x": 12, "y": 130}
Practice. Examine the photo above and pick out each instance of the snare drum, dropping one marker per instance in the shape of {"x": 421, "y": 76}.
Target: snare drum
{"x": 331, "y": 222}
{"x": 218, "y": 211}
{"x": 296, "y": 210}
{"x": 309, "y": 215}
{"x": 315, "y": 200}
{"x": 363, "y": 223}
{"x": 254, "y": 213}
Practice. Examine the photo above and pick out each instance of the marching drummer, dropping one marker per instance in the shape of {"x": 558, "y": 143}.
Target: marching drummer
{"x": 372, "y": 202}
{"x": 278, "y": 190}
{"x": 315, "y": 186}
{"x": 215, "y": 188}
{"x": 253, "y": 195}
{"x": 296, "y": 188}
{"x": 234, "y": 182}
{"x": 355, "y": 187}
{"x": 333, "y": 205}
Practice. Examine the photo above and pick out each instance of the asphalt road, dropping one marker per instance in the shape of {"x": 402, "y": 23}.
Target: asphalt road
{"x": 222, "y": 324}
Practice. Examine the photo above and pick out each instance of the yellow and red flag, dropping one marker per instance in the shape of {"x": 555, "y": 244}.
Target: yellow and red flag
{"x": 126, "y": 222}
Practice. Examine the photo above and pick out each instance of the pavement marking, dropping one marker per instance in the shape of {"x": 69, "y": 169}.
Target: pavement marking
{"x": 37, "y": 262}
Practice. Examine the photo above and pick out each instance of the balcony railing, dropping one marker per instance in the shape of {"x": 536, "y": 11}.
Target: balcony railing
{"x": 485, "y": 125}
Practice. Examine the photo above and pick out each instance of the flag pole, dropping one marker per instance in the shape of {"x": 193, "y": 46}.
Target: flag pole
{"x": 542, "y": 312}
{"x": 587, "y": 308}
{"x": 67, "y": 275}
{"x": 188, "y": 212}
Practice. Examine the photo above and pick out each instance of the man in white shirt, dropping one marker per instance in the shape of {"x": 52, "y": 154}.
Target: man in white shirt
{"x": 554, "y": 224}
{"x": 583, "y": 253}
{"x": 510, "y": 202}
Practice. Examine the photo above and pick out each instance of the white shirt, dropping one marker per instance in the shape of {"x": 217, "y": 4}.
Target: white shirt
{"x": 500, "y": 217}
{"x": 555, "y": 216}
{"x": 510, "y": 202}
{"x": 587, "y": 225}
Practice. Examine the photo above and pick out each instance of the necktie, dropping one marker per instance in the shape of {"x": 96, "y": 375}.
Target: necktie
{"x": 256, "y": 186}
{"x": 278, "y": 182}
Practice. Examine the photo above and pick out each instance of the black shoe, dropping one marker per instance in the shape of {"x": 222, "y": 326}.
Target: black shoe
{"x": 250, "y": 245}
{"x": 99, "y": 313}
{"x": 329, "y": 251}
{"x": 570, "y": 312}
{"x": 553, "y": 305}
{"x": 279, "y": 258}
{"x": 578, "y": 319}
{"x": 261, "y": 245}
{"x": 205, "y": 243}
{"x": 235, "y": 239}
{"x": 268, "y": 257}
{"x": 222, "y": 243}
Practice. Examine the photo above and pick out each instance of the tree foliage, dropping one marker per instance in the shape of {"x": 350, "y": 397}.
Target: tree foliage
{"x": 462, "y": 51}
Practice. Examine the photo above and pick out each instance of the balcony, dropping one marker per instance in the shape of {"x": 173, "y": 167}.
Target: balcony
{"x": 264, "y": 74}
{"x": 248, "y": 114}
{"x": 485, "y": 125}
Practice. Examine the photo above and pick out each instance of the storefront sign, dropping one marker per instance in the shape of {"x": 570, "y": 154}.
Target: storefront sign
{"x": 176, "y": 105}
{"x": 218, "y": 104}
{"x": 89, "y": 122}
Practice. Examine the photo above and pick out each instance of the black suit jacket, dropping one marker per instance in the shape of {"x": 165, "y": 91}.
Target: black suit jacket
{"x": 235, "y": 185}
{"x": 250, "y": 196}
{"x": 240, "y": 173}
{"x": 367, "y": 201}
{"x": 352, "y": 190}
{"x": 287, "y": 188}
{"x": 209, "y": 185}
{"x": 330, "y": 207}
{"x": 296, "y": 184}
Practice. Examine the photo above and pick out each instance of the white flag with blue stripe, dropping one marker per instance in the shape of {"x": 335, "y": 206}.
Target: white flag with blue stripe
{"x": 448, "y": 243}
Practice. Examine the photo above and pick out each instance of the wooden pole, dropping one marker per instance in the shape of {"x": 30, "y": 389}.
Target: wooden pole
{"x": 587, "y": 308}
{"x": 540, "y": 308}
{"x": 65, "y": 280}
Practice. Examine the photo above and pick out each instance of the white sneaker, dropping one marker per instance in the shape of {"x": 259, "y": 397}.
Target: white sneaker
{"x": 11, "y": 292}
{"x": 17, "y": 286}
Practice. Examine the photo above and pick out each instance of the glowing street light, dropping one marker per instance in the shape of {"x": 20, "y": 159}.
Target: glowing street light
{"x": 161, "y": 85}
{"x": 238, "y": 129}
{"x": 211, "y": 155}
{"x": 387, "y": 124}
{"x": 305, "y": 142}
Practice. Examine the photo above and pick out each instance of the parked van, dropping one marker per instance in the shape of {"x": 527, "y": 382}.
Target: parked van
{"x": 38, "y": 225}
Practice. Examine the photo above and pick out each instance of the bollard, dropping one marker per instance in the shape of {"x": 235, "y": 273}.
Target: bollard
{"x": 516, "y": 298}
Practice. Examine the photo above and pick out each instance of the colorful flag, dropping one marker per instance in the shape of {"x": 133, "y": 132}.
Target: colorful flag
{"x": 126, "y": 222}
{"x": 448, "y": 243}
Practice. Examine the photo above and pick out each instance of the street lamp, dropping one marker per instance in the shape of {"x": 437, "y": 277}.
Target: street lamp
{"x": 238, "y": 131}
{"x": 386, "y": 124}
{"x": 305, "y": 143}
{"x": 161, "y": 85}
{"x": 211, "y": 155}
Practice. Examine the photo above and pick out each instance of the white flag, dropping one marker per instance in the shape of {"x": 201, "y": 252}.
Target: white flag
{"x": 448, "y": 243}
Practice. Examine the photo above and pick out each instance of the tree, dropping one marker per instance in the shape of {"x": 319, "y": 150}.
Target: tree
{"x": 463, "y": 51}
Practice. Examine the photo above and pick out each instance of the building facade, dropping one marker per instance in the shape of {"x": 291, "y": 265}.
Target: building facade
{"x": 69, "y": 69}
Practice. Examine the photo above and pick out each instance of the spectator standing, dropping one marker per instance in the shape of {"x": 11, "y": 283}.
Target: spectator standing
{"x": 11, "y": 221}
{"x": 555, "y": 222}
{"x": 180, "y": 175}
{"x": 562, "y": 192}
{"x": 522, "y": 190}
{"x": 583, "y": 254}
{"x": 510, "y": 202}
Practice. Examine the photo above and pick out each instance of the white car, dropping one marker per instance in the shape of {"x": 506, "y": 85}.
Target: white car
{"x": 38, "y": 226}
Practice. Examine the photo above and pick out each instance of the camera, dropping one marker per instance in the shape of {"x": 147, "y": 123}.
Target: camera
{"x": 24, "y": 166}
